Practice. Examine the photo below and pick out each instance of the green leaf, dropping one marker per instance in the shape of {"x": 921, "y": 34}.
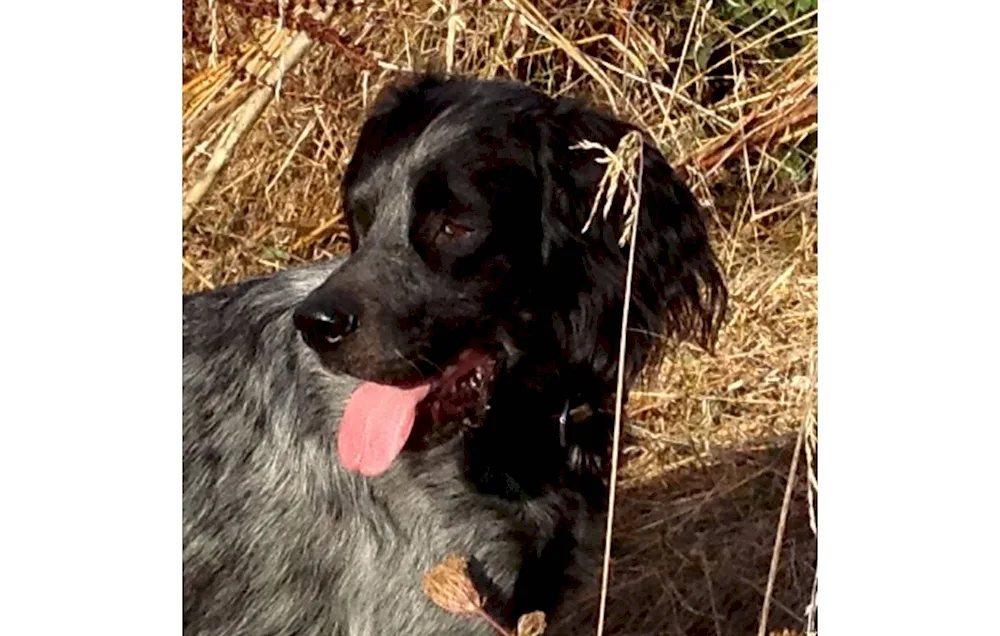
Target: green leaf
{"x": 275, "y": 254}
{"x": 804, "y": 6}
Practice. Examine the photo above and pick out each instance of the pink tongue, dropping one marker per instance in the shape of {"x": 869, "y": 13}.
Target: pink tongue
{"x": 376, "y": 423}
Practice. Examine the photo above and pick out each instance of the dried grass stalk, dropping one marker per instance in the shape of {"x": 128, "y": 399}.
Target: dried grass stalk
{"x": 624, "y": 164}
{"x": 245, "y": 116}
{"x": 780, "y": 534}
{"x": 622, "y": 167}
{"x": 537, "y": 21}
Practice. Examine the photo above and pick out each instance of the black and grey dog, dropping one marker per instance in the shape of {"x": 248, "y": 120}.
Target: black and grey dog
{"x": 445, "y": 388}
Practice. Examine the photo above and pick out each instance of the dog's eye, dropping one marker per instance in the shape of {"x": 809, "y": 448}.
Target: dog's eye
{"x": 451, "y": 230}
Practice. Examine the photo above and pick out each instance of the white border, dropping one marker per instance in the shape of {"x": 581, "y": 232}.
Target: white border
{"x": 908, "y": 147}
{"x": 91, "y": 450}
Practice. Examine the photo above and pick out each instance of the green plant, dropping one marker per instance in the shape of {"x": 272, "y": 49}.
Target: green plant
{"x": 763, "y": 16}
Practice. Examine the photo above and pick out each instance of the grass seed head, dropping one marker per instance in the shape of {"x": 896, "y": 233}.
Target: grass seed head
{"x": 449, "y": 587}
{"x": 532, "y": 624}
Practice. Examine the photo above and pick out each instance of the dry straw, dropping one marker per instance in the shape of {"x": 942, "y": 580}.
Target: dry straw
{"x": 706, "y": 442}
{"x": 623, "y": 166}
{"x": 621, "y": 169}
{"x": 253, "y": 105}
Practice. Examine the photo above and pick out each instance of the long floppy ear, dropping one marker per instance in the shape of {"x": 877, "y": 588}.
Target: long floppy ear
{"x": 677, "y": 289}
{"x": 389, "y": 120}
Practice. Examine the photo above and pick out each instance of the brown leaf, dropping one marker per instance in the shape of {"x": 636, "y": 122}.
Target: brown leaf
{"x": 449, "y": 587}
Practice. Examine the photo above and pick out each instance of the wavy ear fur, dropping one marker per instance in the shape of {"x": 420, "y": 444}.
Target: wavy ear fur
{"x": 677, "y": 290}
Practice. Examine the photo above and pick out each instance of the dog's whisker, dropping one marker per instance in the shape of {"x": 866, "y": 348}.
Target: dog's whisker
{"x": 437, "y": 367}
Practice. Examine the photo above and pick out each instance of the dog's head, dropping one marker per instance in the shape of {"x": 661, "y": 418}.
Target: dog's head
{"x": 465, "y": 201}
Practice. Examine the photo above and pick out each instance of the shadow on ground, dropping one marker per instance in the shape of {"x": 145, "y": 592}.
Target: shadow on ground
{"x": 694, "y": 550}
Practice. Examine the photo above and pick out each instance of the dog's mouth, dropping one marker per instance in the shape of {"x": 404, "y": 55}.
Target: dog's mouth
{"x": 379, "y": 418}
{"x": 462, "y": 391}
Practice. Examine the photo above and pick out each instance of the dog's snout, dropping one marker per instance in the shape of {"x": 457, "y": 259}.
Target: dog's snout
{"x": 323, "y": 330}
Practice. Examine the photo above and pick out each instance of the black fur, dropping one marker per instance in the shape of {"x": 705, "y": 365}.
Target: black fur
{"x": 465, "y": 205}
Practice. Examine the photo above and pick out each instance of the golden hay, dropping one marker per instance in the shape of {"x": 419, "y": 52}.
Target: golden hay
{"x": 709, "y": 439}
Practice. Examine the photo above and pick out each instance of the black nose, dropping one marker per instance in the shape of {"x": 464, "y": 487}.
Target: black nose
{"x": 323, "y": 330}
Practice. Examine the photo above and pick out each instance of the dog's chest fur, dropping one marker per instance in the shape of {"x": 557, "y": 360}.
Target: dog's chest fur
{"x": 279, "y": 539}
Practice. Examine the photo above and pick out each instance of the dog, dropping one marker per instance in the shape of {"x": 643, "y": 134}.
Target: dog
{"x": 448, "y": 387}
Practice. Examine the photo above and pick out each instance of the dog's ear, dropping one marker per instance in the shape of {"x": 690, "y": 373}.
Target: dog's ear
{"x": 400, "y": 110}
{"x": 677, "y": 289}
{"x": 410, "y": 88}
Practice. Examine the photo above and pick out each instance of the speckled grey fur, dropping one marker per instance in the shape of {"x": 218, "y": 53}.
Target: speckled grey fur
{"x": 278, "y": 538}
